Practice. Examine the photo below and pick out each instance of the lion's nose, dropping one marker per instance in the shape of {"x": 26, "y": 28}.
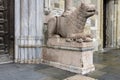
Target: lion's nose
{"x": 92, "y": 7}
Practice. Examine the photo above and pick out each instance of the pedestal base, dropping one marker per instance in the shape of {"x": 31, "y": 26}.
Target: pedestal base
{"x": 74, "y": 59}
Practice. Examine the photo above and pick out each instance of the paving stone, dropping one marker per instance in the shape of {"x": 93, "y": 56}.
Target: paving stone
{"x": 31, "y": 72}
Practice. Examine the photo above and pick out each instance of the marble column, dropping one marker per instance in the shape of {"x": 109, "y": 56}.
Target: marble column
{"x": 28, "y": 30}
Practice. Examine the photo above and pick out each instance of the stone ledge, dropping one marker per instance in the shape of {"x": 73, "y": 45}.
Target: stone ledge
{"x": 71, "y": 48}
{"x": 70, "y": 67}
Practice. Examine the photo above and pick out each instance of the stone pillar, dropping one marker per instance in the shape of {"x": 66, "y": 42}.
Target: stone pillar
{"x": 118, "y": 24}
{"x": 28, "y": 30}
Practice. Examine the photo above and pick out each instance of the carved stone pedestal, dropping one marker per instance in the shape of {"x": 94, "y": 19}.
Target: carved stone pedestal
{"x": 71, "y": 56}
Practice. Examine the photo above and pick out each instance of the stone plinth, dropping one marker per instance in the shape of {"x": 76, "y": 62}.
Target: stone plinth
{"x": 71, "y": 56}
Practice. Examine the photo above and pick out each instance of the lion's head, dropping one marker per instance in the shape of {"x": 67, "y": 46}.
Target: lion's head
{"x": 87, "y": 10}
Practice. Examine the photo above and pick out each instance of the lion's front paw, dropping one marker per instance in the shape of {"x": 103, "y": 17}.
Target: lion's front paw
{"x": 89, "y": 35}
{"x": 79, "y": 40}
{"x": 88, "y": 39}
{"x": 69, "y": 40}
{"x": 56, "y": 36}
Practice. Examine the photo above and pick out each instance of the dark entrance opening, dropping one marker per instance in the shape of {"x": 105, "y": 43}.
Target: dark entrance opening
{"x": 6, "y": 30}
{"x": 109, "y": 24}
{"x": 104, "y": 23}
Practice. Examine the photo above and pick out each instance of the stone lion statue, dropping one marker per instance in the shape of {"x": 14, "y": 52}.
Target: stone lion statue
{"x": 71, "y": 24}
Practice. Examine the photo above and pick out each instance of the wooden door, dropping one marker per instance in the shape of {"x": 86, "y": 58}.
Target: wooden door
{"x": 6, "y": 27}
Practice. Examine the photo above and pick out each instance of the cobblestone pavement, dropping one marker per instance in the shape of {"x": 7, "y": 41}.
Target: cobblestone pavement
{"x": 31, "y": 72}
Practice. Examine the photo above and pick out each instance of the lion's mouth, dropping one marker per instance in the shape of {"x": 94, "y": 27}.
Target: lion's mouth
{"x": 91, "y": 11}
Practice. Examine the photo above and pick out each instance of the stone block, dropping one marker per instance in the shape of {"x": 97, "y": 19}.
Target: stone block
{"x": 71, "y": 56}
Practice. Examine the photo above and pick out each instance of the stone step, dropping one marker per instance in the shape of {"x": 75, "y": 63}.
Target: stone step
{"x": 79, "y": 77}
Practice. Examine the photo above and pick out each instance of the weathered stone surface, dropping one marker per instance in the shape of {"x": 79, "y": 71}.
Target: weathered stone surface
{"x": 79, "y": 77}
{"x": 74, "y": 61}
{"x": 71, "y": 56}
{"x": 71, "y": 23}
{"x": 68, "y": 47}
